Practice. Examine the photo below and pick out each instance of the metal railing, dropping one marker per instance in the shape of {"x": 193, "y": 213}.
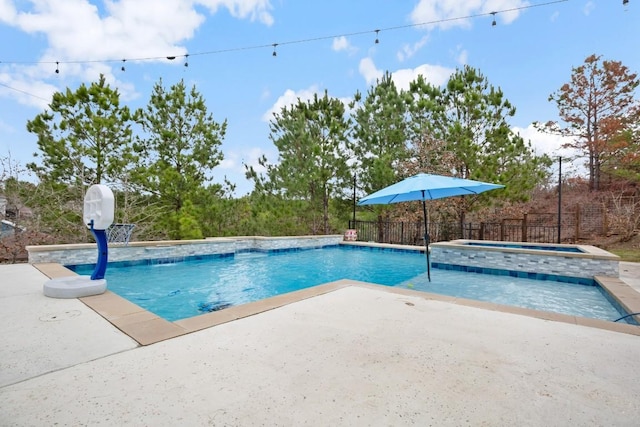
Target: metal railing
{"x": 412, "y": 233}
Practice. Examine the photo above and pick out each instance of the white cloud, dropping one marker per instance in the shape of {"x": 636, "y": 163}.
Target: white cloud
{"x": 543, "y": 143}
{"x": 434, "y": 74}
{"x": 251, "y": 156}
{"x": 444, "y": 13}
{"x": 76, "y": 30}
{"x": 369, "y": 71}
{"x": 346, "y": 100}
{"x": 233, "y": 167}
{"x": 242, "y": 9}
{"x": 26, "y": 91}
{"x": 290, "y": 97}
{"x": 461, "y": 55}
{"x": 588, "y": 8}
{"x": 409, "y": 50}
{"x": 342, "y": 44}
{"x": 235, "y": 160}
{"x": 7, "y": 11}
{"x": 229, "y": 162}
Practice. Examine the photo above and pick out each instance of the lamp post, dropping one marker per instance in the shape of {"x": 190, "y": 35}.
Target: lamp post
{"x": 355, "y": 176}
{"x": 559, "y": 198}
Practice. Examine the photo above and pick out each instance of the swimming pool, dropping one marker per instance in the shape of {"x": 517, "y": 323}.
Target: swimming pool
{"x": 178, "y": 290}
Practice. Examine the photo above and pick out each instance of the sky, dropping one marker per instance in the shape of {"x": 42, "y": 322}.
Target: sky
{"x": 319, "y": 45}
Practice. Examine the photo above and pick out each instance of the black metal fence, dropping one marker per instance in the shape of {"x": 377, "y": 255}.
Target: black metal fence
{"x": 412, "y": 233}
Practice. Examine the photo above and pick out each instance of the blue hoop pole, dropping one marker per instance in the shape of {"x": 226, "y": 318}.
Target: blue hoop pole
{"x": 101, "y": 264}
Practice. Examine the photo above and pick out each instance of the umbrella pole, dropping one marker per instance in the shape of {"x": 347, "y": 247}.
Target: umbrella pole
{"x": 426, "y": 236}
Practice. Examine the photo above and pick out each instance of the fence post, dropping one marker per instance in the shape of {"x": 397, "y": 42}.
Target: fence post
{"x": 577, "y": 222}
{"x": 524, "y": 227}
{"x": 605, "y": 220}
{"x": 502, "y": 227}
{"x": 481, "y": 232}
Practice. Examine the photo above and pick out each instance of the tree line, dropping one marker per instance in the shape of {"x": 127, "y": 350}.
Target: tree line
{"x": 160, "y": 160}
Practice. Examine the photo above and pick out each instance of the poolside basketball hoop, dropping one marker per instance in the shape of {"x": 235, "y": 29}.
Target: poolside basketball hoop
{"x": 120, "y": 233}
{"x": 98, "y": 215}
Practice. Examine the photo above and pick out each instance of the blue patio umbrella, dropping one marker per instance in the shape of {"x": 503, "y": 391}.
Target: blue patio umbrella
{"x": 422, "y": 187}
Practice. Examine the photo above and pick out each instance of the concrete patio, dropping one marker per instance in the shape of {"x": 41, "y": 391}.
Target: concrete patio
{"x": 357, "y": 355}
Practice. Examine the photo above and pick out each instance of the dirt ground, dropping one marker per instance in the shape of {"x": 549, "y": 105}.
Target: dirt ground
{"x": 628, "y": 250}
{"x": 613, "y": 242}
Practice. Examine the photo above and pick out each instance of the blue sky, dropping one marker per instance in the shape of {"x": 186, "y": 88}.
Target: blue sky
{"x": 322, "y": 44}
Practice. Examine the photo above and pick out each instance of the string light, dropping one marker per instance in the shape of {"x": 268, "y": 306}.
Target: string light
{"x": 186, "y": 60}
{"x": 493, "y": 24}
{"x": 625, "y": 2}
{"x": 123, "y": 61}
{"x": 291, "y": 42}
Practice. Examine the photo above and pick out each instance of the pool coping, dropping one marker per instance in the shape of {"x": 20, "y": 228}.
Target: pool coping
{"x": 147, "y": 328}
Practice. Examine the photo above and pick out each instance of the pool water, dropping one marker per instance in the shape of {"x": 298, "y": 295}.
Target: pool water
{"x": 546, "y": 295}
{"x": 179, "y": 290}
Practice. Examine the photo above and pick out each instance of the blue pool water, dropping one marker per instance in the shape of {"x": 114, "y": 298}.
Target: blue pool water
{"x": 177, "y": 290}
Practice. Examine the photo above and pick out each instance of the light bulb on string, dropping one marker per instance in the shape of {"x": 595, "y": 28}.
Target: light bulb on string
{"x": 274, "y": 53}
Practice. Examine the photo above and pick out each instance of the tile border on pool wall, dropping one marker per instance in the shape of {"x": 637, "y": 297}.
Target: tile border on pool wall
{"x": 513, "y": 273}
{"x": 173, "y": 260}
{"x": 85, "y": 253}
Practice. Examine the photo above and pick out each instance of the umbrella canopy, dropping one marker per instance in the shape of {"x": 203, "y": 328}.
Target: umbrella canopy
{"x": 423, "y": 187}
{"x": 426, "y": 187}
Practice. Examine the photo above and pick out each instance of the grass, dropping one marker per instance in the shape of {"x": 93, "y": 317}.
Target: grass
{"x": 630, "y": 255}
